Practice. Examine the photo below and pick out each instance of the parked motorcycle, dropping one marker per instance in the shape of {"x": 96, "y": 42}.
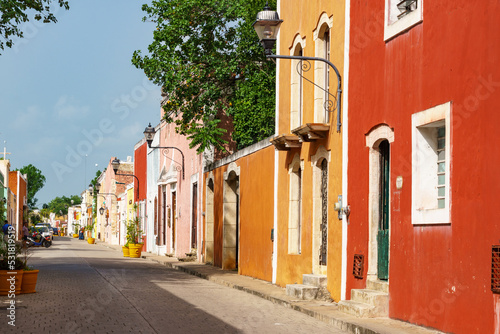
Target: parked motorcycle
{"x": 38, "y": 240}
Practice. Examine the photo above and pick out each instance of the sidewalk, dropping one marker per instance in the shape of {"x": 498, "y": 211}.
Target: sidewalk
{"x": 321, "y": 310}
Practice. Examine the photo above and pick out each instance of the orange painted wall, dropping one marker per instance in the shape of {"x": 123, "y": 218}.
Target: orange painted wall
{"x": 301, "y": 17}
{"x": 256, "y": 213}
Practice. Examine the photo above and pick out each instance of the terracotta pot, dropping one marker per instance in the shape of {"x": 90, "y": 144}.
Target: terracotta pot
{"x": 5, "y": 285}
{"x": 29, "y": 281}
{"x": 135, "y": 250}
{"x": 126, "y": 251}
{"x": 91, "y": 240}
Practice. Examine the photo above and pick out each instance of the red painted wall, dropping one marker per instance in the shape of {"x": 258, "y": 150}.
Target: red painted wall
{"x": 15, "y": 181}
{"x": 439, "y": 275}
{"x": 140, "y": 170}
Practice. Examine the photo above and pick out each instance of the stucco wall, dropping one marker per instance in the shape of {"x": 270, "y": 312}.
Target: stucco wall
{"x": 301, "y": 19}
{"x": 439, "y": 275}
{"x": 256, "y": 209}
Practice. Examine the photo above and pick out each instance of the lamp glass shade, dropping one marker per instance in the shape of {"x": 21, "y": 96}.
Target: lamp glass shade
{"x": 265, "y": 30}
{"x": 149, "y": 133}
{"x": 101, "y": 210}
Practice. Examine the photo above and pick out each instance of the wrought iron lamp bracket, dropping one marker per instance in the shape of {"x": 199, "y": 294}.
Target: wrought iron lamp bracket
{"x": 165, "y": 150}
{"x": 137, "y": 191}
{"x": 301, "y": 66}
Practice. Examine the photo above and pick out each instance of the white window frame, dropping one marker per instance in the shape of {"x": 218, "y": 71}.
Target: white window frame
{"x": 394, "y": 26}
{"x": 424, "y": 204}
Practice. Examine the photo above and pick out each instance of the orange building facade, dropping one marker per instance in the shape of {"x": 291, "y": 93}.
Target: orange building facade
{"x": 238, "y": 212}
{"x": 309, "y": 144}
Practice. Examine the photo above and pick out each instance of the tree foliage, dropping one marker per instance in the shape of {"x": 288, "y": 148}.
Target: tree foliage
{"x": 15, "y": 12}
{"x": 36, "y": 181}
{"x": 59, "y": 205}
{"x": 207, "y": 58}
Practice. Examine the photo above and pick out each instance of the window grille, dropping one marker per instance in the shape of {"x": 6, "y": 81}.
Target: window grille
{"x": 495, "y": 268}
{"x": 358, "y": 265}
{"x": 441, "y": 165}
{"x": 406, "y": 7}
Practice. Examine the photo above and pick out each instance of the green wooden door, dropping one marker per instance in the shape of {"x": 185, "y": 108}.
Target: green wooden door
{"x": 383, "y": 228}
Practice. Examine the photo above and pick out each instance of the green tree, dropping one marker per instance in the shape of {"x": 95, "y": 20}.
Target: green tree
{"x": 34, "y": 218}
{"x": 59, "y": 205}
{"x": 15, "y": 12}
{"x": 207, "y": 58}
{"x": 36, "y": 181}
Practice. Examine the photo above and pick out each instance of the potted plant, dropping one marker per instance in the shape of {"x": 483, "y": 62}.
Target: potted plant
{"x": 11, "y": 266}
{"x": 89, "y": 229}
{"x": 126, "y": 250}
{"x": 30, "y": 275}
{"x": 134, "y": 232}
{"x": 76, "y": 228}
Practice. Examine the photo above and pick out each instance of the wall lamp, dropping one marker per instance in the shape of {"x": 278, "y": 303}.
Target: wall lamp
{"x": 267, "y": 26}
{"x": 149, "y": 134}
{"x": 116, "y": 164}
{"x": 98, "y": 186}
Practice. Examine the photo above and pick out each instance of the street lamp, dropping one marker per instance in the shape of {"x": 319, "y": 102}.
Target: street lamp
{"x": 101, "y": 210}
{"x": 97, "y": 187}
{"x": 149, "y": 134}
{"x": 116, "y": 164}
{"x": 267, "y": 26}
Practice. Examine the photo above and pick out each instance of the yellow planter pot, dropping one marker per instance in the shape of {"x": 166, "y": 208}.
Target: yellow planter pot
{"x": 91, "y": 240}
{"x": 75, "y": 235}
{"x": 126, "y": 251}
{"x": 28, "y": 284}
{"x": 135, "y": 250}
{"x": 6, "y": 283}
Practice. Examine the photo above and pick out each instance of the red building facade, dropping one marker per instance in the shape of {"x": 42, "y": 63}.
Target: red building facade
{"x": 422, "y": 156}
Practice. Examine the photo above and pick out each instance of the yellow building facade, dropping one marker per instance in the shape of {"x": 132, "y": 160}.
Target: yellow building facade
{"x": 308, "y": 143}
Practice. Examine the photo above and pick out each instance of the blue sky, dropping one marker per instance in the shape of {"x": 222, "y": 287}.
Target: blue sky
{"x": 70, "y": 97}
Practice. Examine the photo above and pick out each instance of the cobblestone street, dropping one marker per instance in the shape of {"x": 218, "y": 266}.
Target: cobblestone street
{"x": 86, "y": 288}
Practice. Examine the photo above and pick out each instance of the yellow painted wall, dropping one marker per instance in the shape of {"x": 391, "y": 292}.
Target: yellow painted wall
{"x": 301, "y": 17}
{"x": 130, "y": 204}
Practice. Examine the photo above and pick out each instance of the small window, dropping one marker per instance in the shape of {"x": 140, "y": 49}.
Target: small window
{"x": 431, "y": 186}
{"x": 400, "y": 16}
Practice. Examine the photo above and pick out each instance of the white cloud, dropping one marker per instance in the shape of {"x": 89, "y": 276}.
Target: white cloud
{"x": 69, "y": 108}
{"x": 28, "y": 118}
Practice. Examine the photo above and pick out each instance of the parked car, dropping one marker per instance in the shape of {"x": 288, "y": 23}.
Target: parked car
{"x": 49, "y": 229}
{"x": 56, "y": 230}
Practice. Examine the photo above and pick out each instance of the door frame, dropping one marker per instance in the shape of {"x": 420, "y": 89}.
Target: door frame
{"x": 376, "y": 135}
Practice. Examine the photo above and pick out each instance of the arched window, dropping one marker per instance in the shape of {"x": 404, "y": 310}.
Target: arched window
{"x": 321, "y": 69}
{"x": 296, "y": 83}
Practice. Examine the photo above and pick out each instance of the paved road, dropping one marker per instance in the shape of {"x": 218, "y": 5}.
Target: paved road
{"x": 86, "y": 288}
